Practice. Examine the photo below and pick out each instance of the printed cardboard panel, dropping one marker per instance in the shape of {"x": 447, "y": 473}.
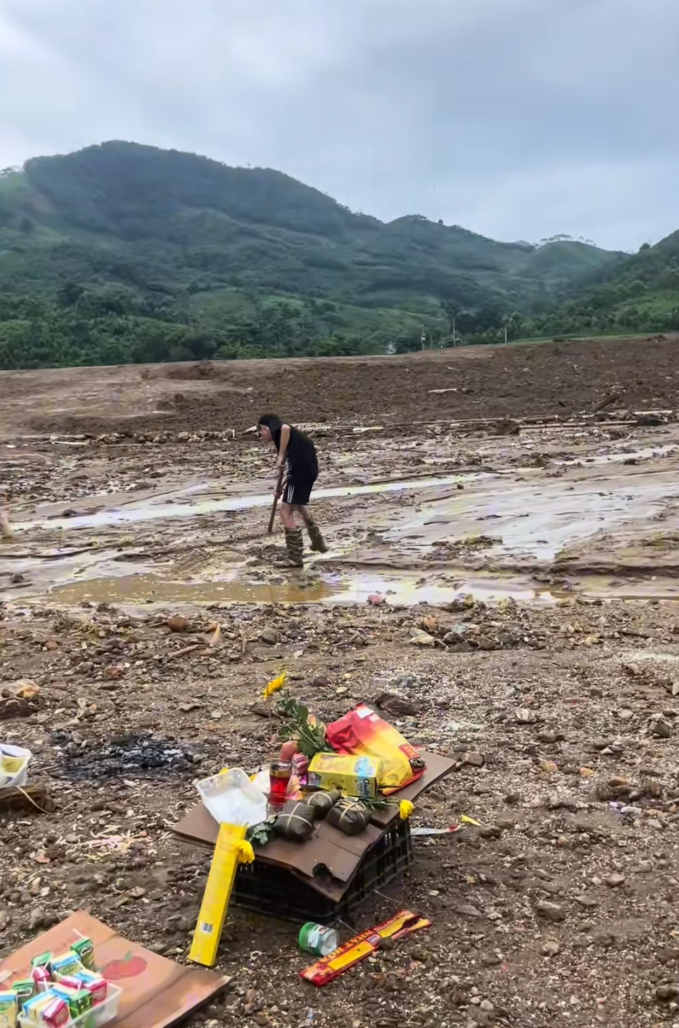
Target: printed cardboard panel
{"x": 156, "y": 993}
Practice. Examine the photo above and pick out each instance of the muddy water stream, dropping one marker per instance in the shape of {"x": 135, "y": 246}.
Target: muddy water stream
{"x": 147, "y": 511}
{"x": 399, "y": 590}
{"x": 526, "y": 522}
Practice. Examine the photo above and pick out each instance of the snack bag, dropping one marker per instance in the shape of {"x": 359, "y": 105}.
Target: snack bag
{"x": 364, "y": 733}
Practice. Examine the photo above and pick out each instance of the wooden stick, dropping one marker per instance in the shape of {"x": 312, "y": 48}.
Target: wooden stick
{"x": 279, "y": 483}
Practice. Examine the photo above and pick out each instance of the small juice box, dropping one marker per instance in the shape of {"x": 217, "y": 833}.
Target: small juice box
{"x": 9, "y": 1010}
{"x": 66, "y": 964}
{"x": 85, "y": 951}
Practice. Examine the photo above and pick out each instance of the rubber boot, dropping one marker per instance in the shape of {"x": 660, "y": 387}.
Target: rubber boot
{"x": 295, "y": 547}
{"x": 318, "y": 543}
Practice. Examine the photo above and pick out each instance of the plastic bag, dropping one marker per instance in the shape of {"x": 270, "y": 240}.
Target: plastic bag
{"x": 13, "y": 765}
{"x": 364, "y": 733}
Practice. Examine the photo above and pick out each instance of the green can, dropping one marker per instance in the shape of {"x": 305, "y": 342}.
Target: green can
{"x": 318, "y": 939}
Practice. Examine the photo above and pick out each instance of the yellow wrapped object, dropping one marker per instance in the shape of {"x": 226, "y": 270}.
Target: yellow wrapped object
{"x": 230, "y": 850}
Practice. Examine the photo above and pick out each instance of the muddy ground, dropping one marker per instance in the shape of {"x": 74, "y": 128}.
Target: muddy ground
{"x": 540, "y": 557}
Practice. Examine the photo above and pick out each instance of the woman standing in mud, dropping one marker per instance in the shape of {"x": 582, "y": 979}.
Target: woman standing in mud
{"x": 298, "y": 464}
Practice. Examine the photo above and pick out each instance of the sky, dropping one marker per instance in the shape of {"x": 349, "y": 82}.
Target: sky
{"x": 519, "y": 119}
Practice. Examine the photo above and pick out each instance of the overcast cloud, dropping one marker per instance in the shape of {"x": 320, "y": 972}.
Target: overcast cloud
{"x": 515, "y": 118}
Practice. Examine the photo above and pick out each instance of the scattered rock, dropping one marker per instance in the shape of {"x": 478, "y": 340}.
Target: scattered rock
{"x": 37, "y": 919}
{"x": 660, "y": 727}
{"x": 24, "y": 689}
{"x": 551, "y": 948}
{"x": 269, "y": 636}
{"x": 178, "y": 623}
{"x": 397, "y": 706}
{"x": 469, "y": 910}
{"x": 473, "y": 759}
{"x": 19, "y": 699}
{"x": 615, "y": 881}
{"x": 549, "y": 737}
{"x": 550, "y": 911}
{"x": 667, "y": 993}
{"x": 420, "y": 638}
{"x": 525, "y": 716}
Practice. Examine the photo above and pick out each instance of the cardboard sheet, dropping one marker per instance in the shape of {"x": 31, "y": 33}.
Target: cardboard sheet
{"x": 330, "y": 859}
{"x": 157, "y": 992}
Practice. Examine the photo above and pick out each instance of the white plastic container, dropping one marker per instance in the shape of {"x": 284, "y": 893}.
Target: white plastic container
{"x": 233, "y": 799}
{"x": 94, "y": 1018}
{"x": 21, "y": 776}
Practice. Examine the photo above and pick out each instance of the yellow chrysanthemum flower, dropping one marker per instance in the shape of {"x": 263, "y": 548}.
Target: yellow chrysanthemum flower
{"x": 245, "y": 852}
{"x": 274, "y": 685}
{"x": 405, "y": 809}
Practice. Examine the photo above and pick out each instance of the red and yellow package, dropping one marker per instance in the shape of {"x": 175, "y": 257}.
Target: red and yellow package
{"x": 363, "y": 733}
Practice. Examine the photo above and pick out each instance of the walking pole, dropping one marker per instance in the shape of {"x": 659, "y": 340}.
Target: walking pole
{"x": 275, "y": 500}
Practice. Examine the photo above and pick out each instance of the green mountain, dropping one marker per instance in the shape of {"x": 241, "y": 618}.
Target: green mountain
{"x": 637, "y": 294}
{"x": 122, "y": 252}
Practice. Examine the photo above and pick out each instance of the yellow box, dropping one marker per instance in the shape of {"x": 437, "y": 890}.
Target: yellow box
{"x": 354, "y": 776}
{"x": 217, "y": 894}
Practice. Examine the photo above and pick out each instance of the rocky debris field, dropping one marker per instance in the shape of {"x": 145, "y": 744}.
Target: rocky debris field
{"x": 563, "y": 727}
{"x": 557, "y": 698}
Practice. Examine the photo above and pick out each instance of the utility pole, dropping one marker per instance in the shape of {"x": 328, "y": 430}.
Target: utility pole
{"x": 423, "y": 338}
{"x": 454, "y": 333}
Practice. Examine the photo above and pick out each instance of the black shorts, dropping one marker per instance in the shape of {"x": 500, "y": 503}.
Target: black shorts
{"x": 298, "y": 491}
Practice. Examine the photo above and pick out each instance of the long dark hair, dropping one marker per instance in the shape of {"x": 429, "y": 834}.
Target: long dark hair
{"x": 272, "y": 422}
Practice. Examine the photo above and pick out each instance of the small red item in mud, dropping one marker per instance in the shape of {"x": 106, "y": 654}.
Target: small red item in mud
{"x": 376, "y": 599}
{"x": 279, "y": 777}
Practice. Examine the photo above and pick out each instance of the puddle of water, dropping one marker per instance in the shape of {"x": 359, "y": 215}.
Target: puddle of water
{"x": 185, "y": 510}
{"x": 400, "y": 591}
{"x": 618, "y": 458}
{"x": 535, "y": 521}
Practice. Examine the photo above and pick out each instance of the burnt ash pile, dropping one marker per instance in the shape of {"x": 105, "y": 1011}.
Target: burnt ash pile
{"x": 127, "y": 756}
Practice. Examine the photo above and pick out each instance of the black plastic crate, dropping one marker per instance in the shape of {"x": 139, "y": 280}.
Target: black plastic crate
{"x": 268, "y": 889}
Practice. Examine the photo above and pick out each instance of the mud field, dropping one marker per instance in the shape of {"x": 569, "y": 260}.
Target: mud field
{"x": 519, "y": 511}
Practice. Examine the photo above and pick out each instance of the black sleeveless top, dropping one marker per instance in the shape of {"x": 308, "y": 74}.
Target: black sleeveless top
{"x": 300, "y": 455}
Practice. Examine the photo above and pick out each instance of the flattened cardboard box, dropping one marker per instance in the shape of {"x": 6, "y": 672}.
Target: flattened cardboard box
{"x": 328, "y": 850}
{"x": 156, "y": 992}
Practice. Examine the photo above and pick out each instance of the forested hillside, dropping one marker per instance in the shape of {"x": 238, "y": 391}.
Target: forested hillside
{"x": 121, "y": 253}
